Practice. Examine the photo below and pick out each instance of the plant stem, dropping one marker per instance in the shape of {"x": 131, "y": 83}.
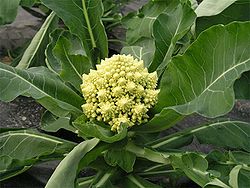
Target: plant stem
{"x": 85, "y": 13}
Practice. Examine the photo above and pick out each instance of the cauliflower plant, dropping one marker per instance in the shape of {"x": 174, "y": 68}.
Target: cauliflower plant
{"x": 120, "y": 91}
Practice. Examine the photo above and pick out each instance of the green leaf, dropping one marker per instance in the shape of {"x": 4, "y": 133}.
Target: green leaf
{"x": 22, "y": 148}
{"x": 195, "y": 167}
{"x": 38, "y": 44}
{"x": 140, "y": 25}
{"x": 212, "y": 7}
{"x": 28, "y": 3}
{"x": 148, "y": 154}
{"x": 242, "y": 86}
{"x": 168, "y": 28}
{"x": 51, "y": 61}
{"x": 83, "y": 18}
{"x": 84, "y": 182}
{"x": 90, "y": 129}
{"x": 52, "y": 123}
{"x": 231, "y": 166}
{"x": 69, "y": 165}
{"x": 73, "y": 64}
{"x": 161, "y": 121}
{"x": 239, "y": 177}
{"x": 134, "y": 181}
{"x": 120, "y": 157}
{"x": 238, "y": 11}
{"x": 40, "y": 84}
{"x": 8, "y": 11}
{"x": 144, "y": 52}
{"x": 202, "y": 79}
{"x": 102, "y": 179}
{"x": 228, "y": 134}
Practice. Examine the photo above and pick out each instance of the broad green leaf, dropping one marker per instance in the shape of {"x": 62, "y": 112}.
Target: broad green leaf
{"x": 38, "y": 44}
{"x": 239, "y": 177}
{"x": 148, "y": 154}
{"x": 22, "y": 148}
{"x": 11, "y": 173}
{"x": 28, "y": 3}
{"x": 102, "y": 178}
{"x": 194, "y": 4}
{"x": 212, "y": 7}
{"x": 90, "y": 129}
{"x": 83, "y": 18}
{"x": 238, "y": 11}
{"x": 230, "y": 166}
{"x": 42, "y": 85}
{"x": 195, "y": 167}
{"x": 244, "y": 177}
{"x": 8, "y": 11}
{"x": 140, "y": 25}
{"x": 52, "y": 123}
{"x": 84, "y": 182}
{"x": 134, "y": 181}
{"x": 51, "y": 61}
{"x": 161, "y": 121}
{"x": 168, "y": 28}
{"x": 239, "y": 157}
{"x": 228, "y": 134}
{"x": 69, "y": 165}
{"x": 202, "y": 79}
{"x": 120, "y": 157}
{"x": 144, "y": 52}
{"x": 73, "y": 65}
{"x": 242, "y": 86}
{"x": 93, "y": 155}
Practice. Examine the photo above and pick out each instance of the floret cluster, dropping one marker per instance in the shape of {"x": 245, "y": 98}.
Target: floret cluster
{"x": 120, "y": 91}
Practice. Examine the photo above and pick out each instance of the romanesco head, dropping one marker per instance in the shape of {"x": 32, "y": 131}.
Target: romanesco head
{"x": 120, "y": 91}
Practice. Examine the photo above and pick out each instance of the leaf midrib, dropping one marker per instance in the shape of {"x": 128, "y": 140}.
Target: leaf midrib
{"x": 44, "y": 93}
{"x": 223, "y": 74}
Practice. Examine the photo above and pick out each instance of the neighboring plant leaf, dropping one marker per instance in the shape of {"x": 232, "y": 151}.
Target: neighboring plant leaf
{"x": 238, "y": 11}
{"x": 138, "y": 182}
{"x": 83, "y": 18}
{"x": 38, "y": 44}
{"x": 228, "y": 134}
{"x": 212, "y": 7}
{"x": 168, "y": 28}
{"x": 51, "y": 61}
{"x": 73, "y": 65}
{"x": 120, "y": 157}
{"x": 242, "y": 86}
{"x": 8, "y": 11}
{"x": 42, "y": 85}
{"x": 202, "y": 79}
{"x": 16, "y": 157}
{"x": 69, "y": 165}
{"x": 90, "y": 129}
{"x": 195, "y": 167}
{"x": 52, "y": 123}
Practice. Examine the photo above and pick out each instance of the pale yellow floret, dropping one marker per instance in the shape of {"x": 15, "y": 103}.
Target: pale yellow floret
{"x": 120, "y": 91}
